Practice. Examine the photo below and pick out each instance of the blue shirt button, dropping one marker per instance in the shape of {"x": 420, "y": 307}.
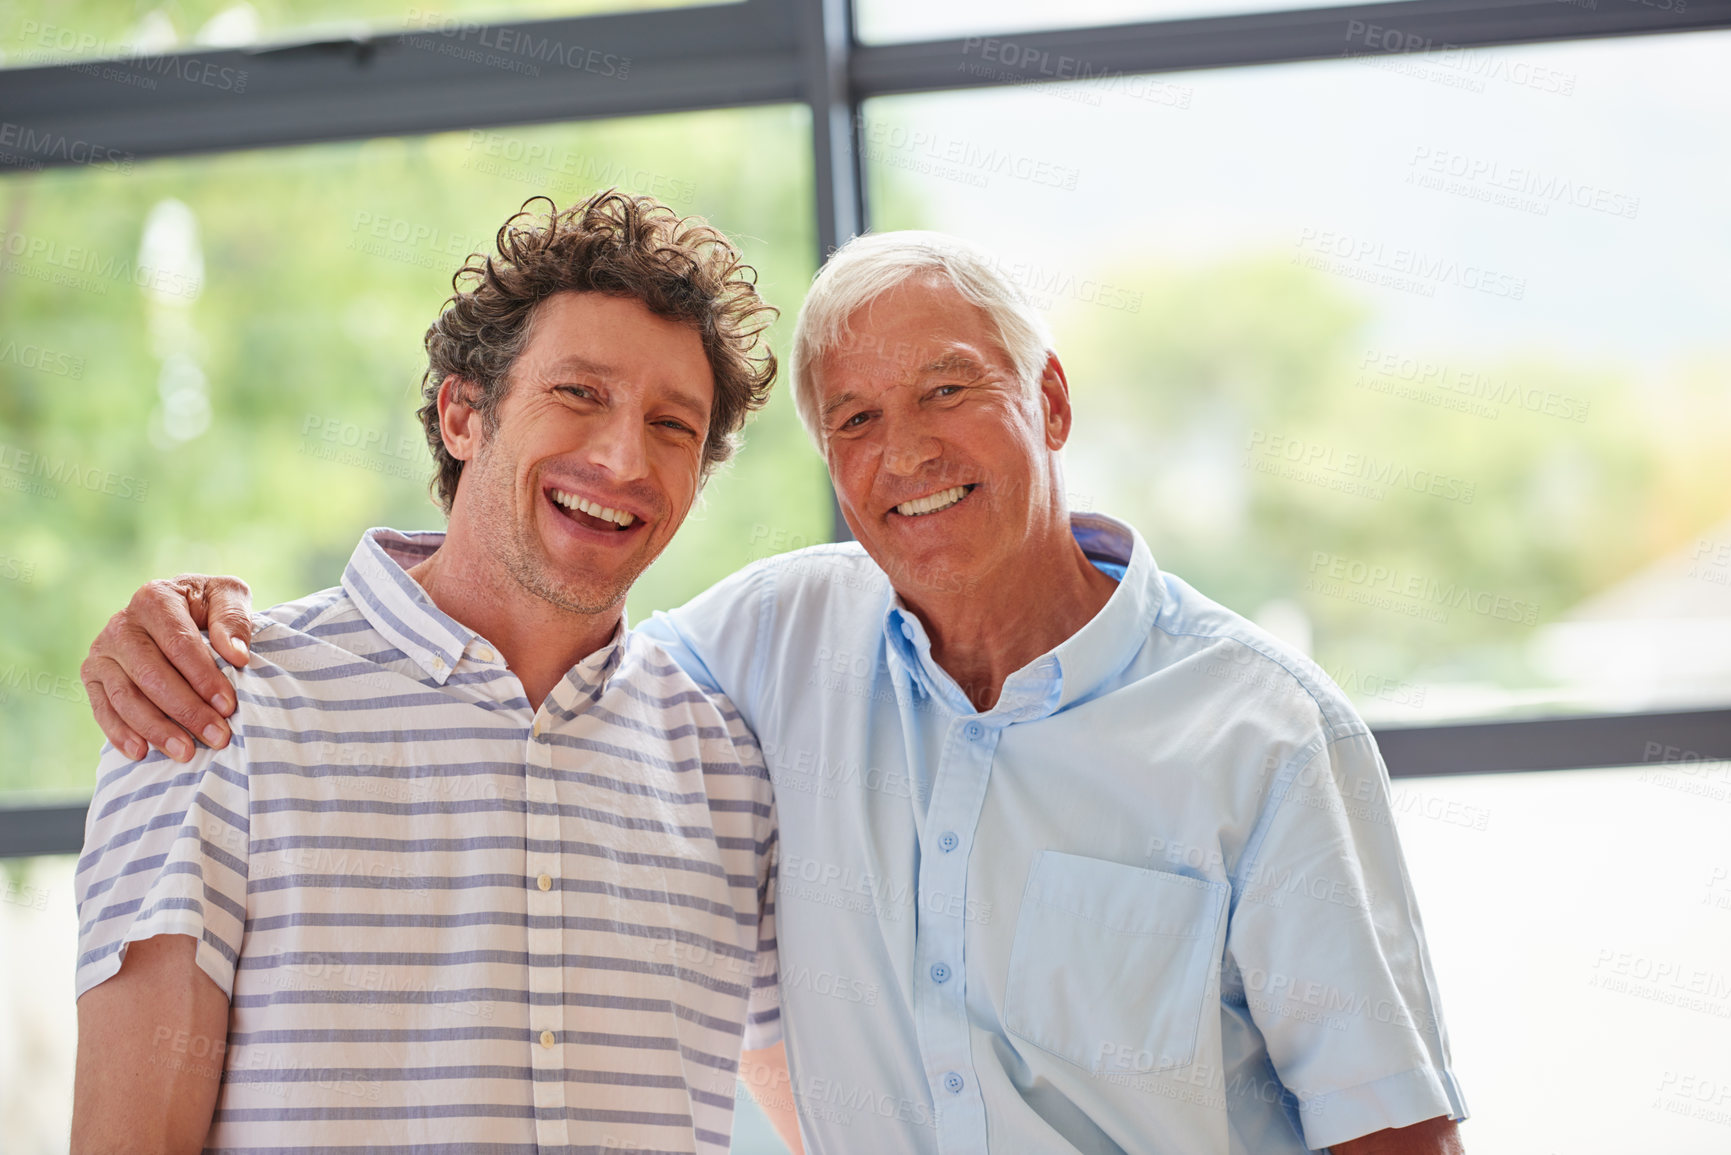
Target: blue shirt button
{"x": 948, "y": 840}
{"x": 974, "y": 731}
{"x": 940, "y": 973}
{"x": 953, "y": 1083}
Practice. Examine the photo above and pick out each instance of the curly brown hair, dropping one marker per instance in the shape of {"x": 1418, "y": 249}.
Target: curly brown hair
{"x": 682, "y": 269}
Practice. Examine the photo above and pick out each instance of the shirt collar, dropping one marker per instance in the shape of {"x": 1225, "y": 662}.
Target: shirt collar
{"x": 1078, "y": 666}
{"x": 396, "y": 606}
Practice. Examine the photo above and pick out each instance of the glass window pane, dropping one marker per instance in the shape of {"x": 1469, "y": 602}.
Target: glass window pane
{"x": 1420, "y": 362}
{"x": 212, "y": 364}
{"x": 1581, "y": 956}
{"x": 39, "y": 32}
{"x": 883, "y": 21}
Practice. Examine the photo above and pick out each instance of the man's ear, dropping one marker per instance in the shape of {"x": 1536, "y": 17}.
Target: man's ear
{"x": 1055, "y": 402}
{"x": 460, "y": 424}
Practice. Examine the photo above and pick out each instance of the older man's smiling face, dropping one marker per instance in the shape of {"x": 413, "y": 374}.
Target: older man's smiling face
{"x": 943, "y": 461}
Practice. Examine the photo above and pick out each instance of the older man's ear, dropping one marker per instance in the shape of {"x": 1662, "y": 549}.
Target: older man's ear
{"x": 1055, "y": 397}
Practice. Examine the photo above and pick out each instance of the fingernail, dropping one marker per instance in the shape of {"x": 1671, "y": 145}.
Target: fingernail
{"x": 239, "y": 646}
{"x": 223, "y": 703}
{"x": 180, "y": 749}
{"x": 215, "y": 736}
{"x": 136, "y": 751}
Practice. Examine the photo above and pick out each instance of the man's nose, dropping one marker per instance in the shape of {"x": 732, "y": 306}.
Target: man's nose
{"x": 617, "y": 444}
{"x": 907, "y": 448}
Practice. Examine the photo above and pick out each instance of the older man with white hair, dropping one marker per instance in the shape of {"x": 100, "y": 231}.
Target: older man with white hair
{"x": 1049, "y": 882}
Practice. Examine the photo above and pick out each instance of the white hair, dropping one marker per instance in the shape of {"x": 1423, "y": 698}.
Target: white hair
{"x": 868, "y": 266}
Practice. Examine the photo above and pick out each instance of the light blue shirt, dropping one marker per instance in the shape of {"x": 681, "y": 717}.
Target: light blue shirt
{"x": 1152, "y": 901}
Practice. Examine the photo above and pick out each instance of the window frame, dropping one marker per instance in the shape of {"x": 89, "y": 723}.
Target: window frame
{"x": 756, "y": 52}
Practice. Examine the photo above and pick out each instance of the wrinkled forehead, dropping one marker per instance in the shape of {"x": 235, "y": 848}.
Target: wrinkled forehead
{"x": 920, "y": 326}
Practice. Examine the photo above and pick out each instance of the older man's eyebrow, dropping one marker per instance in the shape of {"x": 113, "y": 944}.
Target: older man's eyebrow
{"x": 839, "y": 401}
{"x": 953, "y": 362}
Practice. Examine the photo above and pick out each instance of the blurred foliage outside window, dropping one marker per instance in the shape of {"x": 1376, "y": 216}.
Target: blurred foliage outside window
{"x": 213, "y": 364}
{"x": 34, "y": 33}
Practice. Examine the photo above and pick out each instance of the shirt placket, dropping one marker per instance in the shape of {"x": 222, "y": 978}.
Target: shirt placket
{"x": 544, "y": 877}
{"x": 941, "y": 974}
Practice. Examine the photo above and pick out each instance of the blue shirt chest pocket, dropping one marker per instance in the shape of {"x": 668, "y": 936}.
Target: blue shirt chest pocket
{"x": 1111, "y": 964}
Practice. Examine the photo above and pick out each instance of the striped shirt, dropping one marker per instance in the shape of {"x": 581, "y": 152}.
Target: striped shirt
{"x": 446, "y": 921}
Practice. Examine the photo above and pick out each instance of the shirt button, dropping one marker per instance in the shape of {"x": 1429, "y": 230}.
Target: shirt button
{"x": 535, "y": 730}
{"x": 953, "y": 1083}
{"x": 438, "y": 663}
{"x": 483, "y": 654}
{"x": 545, "y": 882}
{"x": 949, "y": 841}
{"x": 547, "y": 1039}
{"x": 940, "y": 973}
{"x": 974, "y": 731}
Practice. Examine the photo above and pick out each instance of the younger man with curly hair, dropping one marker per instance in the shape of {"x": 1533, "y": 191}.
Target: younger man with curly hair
{"x": 479, "y": 868}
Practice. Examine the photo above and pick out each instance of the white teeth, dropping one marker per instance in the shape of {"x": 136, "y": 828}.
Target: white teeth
{"x": 572, "y": 501}
{"x": 932, "y": 502}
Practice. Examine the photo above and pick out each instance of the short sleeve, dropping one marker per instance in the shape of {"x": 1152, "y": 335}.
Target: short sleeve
{"x": 1327, "y": 951}
{"x": 763, "y": 1008}
{"x": 719, "y": 636}
{"x": 165, "y": 852}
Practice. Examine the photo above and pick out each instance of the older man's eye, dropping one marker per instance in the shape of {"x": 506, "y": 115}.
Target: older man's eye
{"x": 855, "y": 421}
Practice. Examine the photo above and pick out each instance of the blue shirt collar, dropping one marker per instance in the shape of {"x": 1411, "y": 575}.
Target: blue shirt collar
{"x": 1076, "y": 667}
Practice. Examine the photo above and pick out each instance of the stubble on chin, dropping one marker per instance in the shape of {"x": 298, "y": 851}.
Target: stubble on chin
{"x": 519, "y": 550}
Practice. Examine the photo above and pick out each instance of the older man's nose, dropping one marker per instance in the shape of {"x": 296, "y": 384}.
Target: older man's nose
{"x": 908, "y": 451}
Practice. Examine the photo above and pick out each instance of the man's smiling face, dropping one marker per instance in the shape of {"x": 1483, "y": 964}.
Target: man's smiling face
{"x": 942, "y": 458}
{"x": 597, "y": 451}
